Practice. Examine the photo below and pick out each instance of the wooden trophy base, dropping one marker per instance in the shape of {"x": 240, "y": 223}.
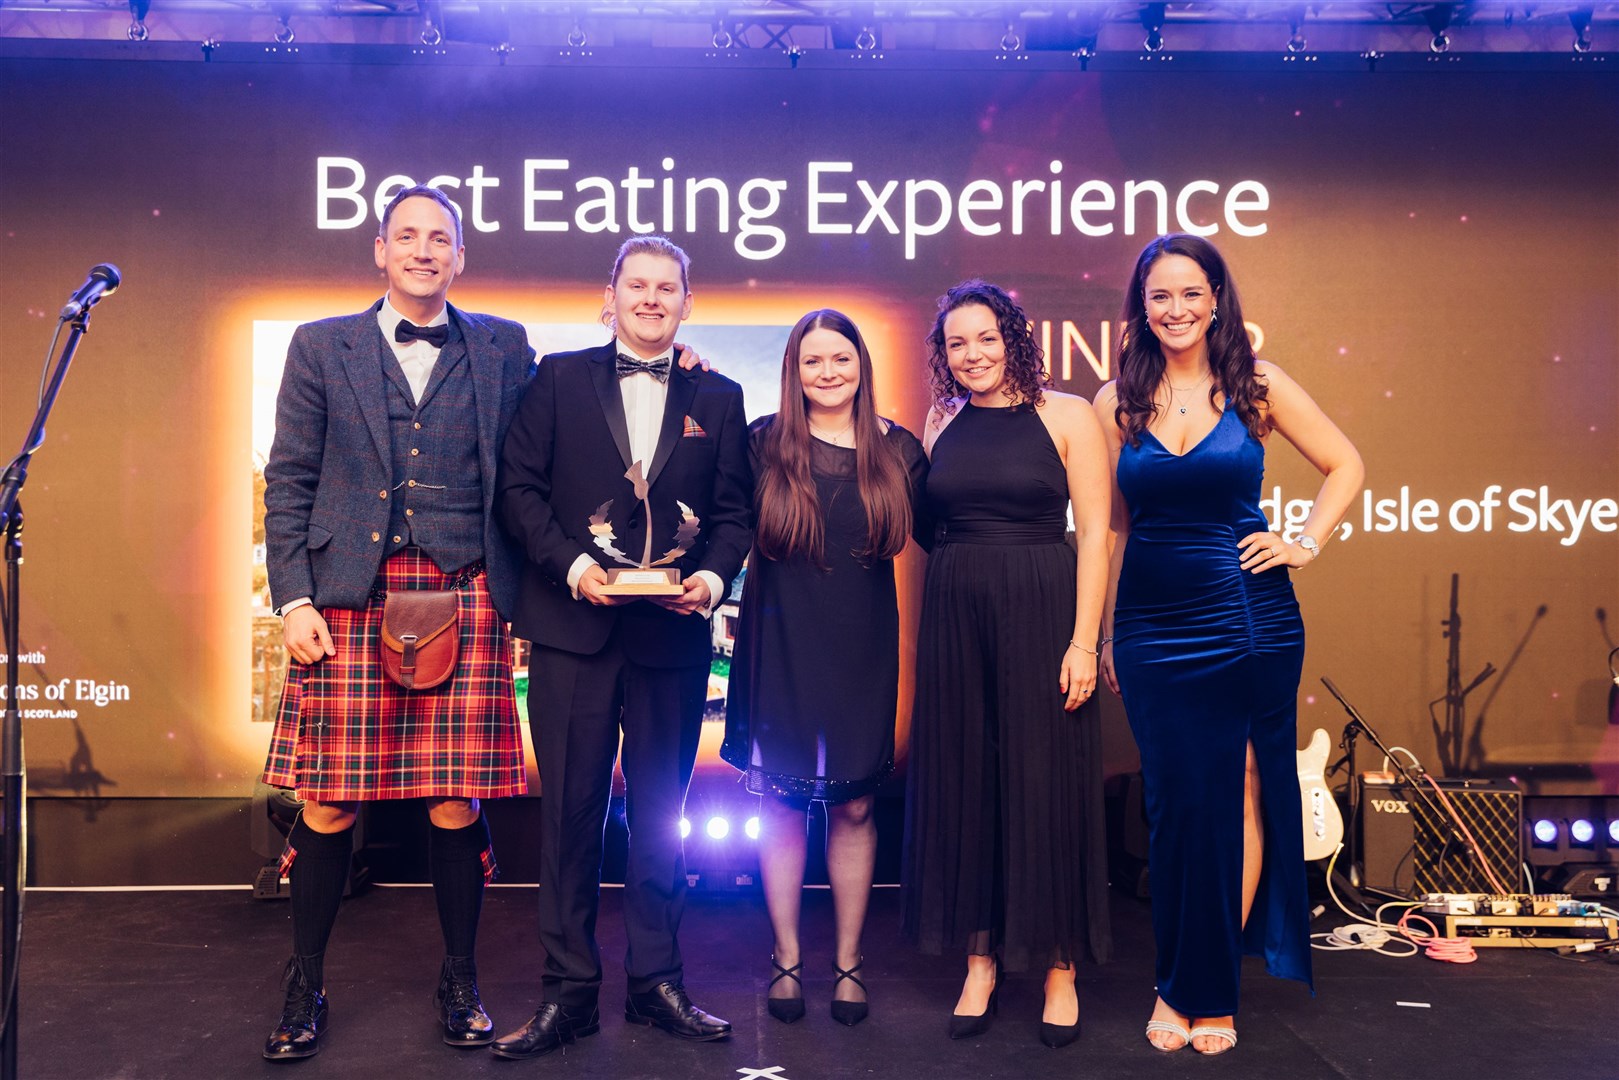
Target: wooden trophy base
{"x": 644, "y": 581}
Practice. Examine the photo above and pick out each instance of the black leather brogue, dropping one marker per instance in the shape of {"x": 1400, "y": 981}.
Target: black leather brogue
{"x": 303, "y": 1019}
{"x": 459, "y": 1008}
{"x": 666, "y": 1006}
{"x": 550, "y": 1028}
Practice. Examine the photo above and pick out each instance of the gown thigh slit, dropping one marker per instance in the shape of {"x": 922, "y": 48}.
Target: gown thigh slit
{"x": 1208, "y": 658}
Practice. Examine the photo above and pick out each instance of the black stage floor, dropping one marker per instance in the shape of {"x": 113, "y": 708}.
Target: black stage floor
{"x": 183, "y": 984}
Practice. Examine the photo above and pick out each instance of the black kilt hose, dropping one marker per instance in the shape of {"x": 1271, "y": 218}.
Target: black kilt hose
{"x": 345, "y": 732}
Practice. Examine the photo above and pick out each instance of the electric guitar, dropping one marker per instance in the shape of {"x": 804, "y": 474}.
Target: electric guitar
{"x": 1323, "y": 824}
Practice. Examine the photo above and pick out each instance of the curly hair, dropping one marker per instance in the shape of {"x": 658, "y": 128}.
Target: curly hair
{"x": 1231, "y": 354}
{"x": 1026, "y": 376}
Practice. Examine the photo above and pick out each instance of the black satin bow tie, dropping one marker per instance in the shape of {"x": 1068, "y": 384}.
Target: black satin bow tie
{"x": 629, "y": 365}
{"x": 436, "y": 336}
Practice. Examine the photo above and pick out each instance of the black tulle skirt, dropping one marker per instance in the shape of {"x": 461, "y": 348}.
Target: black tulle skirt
{"x": 1005, "y": 838}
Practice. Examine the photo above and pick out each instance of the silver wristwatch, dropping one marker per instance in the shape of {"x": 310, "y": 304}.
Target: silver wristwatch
{"x": 1309, "y": 544}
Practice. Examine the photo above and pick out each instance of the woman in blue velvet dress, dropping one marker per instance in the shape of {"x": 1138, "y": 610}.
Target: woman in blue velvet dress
{"x": 1202, "y": 635}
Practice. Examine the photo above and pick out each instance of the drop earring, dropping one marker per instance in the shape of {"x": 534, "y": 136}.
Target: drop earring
{"x": 1214, "y": 317}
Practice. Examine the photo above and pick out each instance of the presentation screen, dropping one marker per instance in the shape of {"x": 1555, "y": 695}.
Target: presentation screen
{"x": 1433, "y": 255}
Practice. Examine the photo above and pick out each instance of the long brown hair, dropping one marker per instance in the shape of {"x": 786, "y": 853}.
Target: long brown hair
{"x": 1231, "y": 354}
{"x": 789, "y": 511}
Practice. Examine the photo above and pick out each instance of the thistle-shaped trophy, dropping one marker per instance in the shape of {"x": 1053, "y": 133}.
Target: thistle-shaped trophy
{"x": 648, "y": 577}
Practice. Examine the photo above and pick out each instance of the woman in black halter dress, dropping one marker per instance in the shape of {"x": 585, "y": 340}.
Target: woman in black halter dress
{"x": 1005, "y": 848}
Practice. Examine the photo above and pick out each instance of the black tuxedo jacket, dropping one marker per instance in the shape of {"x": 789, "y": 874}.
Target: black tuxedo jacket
{"x": 565, "y": 459}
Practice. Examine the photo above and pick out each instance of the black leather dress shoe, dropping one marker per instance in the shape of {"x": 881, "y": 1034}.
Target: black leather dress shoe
{"x": 303, "y": 1018}
{"x": 459, "y": 1008}
{"x": 666, "y": 1006}
{"x": 551, "y": 1027}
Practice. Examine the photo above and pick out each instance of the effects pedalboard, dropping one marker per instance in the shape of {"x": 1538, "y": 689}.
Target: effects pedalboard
{"x": 1521, "y": 921}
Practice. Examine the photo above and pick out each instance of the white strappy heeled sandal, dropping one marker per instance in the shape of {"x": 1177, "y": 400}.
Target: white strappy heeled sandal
{"x": 1228, "y": 1034}
{"x": 1168, "y": 1027}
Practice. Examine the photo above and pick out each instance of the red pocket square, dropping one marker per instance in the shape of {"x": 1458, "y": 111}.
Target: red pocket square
{"x": 693, "y": 430}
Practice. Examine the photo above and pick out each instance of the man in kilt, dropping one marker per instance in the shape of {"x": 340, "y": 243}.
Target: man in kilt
{"x": 614, "y": 453}
{"x": 382, "y": 478}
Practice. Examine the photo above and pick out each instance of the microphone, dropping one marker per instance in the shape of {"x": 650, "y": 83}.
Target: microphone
{"x": 102, "y": 281}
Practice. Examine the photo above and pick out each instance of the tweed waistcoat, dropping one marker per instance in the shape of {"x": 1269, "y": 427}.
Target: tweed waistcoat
{"x": 438, "y": 486}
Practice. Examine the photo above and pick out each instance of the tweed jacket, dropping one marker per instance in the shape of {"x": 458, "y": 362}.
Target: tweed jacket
{"x": 330, "y": 473}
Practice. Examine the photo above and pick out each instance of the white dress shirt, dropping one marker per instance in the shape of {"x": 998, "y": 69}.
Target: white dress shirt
{"x": 644, "y": 400}
{"x": 416, "y": 357}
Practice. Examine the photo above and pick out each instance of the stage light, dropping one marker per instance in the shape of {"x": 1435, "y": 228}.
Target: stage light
{"x": 432, "y": 13}
{"x": 718, "y": 828}
{"x": 685, "y": 828}
{"x": 137, "y": 13}
{"x": 1613, "y": 831}
{"x": 1152, "y": 21}
{"x": 752, "y": 828}
{"x": 1438, "y": 17}
{"x": 1545, "y": 832}
{"x": 1581, "y": 18}
{"x": 1581, "y": 831}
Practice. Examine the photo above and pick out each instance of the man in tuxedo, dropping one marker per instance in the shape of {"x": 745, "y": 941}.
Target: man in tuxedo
{"x": 594, "y": 428}
{"x": 382, "y": 478}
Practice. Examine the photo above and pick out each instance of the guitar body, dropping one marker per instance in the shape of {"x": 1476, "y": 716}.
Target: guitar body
{"x": 1323, "y": 824}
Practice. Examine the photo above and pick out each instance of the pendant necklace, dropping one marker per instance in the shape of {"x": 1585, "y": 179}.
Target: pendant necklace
{"x": 1175, "y": 390}
{"x": 835, "y": 438}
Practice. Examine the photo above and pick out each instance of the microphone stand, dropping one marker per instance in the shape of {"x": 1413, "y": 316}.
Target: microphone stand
{"x": 13, "y": 778}
{"x": 1413, "y": 781}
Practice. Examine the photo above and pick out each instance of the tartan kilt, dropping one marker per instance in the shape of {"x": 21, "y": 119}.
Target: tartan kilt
{"x": 346, "y": 732}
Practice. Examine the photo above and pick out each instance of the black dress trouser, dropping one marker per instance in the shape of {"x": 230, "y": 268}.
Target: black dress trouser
{"x": 576, "y": 707}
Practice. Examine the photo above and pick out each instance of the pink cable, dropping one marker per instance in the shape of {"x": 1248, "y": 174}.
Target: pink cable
{"x": 1434, "y": 947}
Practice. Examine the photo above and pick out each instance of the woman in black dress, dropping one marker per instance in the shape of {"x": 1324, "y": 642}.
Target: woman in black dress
{"x": 1005, "y": 847}
{"x": 815, "y": 674}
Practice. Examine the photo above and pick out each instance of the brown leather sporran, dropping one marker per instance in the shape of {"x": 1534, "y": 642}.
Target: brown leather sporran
{"x": 420, "y": 642}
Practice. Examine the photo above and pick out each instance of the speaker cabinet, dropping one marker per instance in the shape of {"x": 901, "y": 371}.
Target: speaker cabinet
{"x": 1406, "y": 852}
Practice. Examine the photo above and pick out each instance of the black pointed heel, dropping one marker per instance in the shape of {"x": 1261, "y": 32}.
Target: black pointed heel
{"x": 849, "y": 1013}
{"x": 1058, "y": 1036}
{"x": 970, "y": 1027}
{"x": 787, "y": 1010}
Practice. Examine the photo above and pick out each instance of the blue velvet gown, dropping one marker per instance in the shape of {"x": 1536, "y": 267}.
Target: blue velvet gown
{"x": 1208, "y": 657}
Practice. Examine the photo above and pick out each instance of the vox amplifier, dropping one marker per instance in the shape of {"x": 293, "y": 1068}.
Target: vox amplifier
{"x": 1406, "y": 853}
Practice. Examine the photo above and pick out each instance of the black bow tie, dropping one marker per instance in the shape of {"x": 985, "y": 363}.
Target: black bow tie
{"x": 629, "y": 365}
{"x": 436, "y": 336}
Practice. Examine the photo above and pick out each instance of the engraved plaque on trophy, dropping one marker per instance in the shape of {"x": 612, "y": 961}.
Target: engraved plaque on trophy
{"x": 649, "y": 577}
